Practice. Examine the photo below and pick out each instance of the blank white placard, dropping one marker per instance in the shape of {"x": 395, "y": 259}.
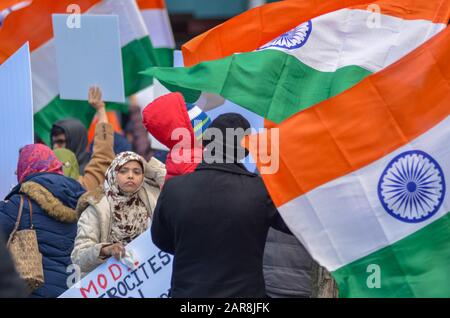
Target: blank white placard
{"x": 16, "y": 120}
{"x": 89, "y": 55}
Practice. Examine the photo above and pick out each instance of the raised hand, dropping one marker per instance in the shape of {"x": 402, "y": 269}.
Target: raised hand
{"x": 95, "y": 98}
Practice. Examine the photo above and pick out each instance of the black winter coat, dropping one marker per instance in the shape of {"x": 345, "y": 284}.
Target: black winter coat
{"x": 215, "y": 222}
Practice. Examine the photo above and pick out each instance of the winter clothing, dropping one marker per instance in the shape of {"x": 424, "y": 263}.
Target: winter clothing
{"x": 161, "y": 118}
{"x": 130, "y": 215}
{"x": 69, "y": 161}
{"x": 102, "y": 156}
{"x": 53, "y": 198}
{"x": 161, "y": 155}
{"x": 287, "y": 266}
{"x": 219, "y": 147}
{"x": 199, "y": 120}
{"x": 37, "y": 158}
{"x": 121, "y": 144}
{"x": 95, "y": 223}
{"x": 215, "y": 222}
{"x": 113, "y": 119}
{"x": 76, "y": 139}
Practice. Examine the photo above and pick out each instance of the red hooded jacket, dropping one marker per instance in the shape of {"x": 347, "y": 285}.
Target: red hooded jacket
{"x": 161, "y": 117}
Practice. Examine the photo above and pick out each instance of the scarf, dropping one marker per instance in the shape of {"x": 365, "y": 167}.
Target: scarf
{"x": 128, "y": 211}
{"x": 69, "y": 161}
{"x": 37, "y": 158}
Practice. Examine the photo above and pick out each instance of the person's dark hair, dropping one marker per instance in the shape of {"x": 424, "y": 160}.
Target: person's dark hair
{"x": 56, "y": 130}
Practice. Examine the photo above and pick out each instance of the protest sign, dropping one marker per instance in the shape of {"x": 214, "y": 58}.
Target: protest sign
{"x": 87, "y": 54}
{"x": 150, "y": 277}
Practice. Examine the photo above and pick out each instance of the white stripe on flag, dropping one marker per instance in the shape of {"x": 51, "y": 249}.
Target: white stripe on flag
{"x": 343, "y": 220}
{"x": 44, "y": 75}
{"x": 131, "y": 24}
{"x": 342, "y": 38}
{"x": 158, "y": 26}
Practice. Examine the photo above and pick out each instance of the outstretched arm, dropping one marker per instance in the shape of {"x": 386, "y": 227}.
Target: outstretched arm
{"x": 103, "y": 151}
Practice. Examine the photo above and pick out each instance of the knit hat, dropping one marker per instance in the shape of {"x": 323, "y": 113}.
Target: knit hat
{"x": 199, "y": 120}
{"x": 230, "y": 149}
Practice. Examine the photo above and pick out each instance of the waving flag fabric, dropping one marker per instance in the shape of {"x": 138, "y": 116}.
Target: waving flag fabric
{"x": 363, "y": 178}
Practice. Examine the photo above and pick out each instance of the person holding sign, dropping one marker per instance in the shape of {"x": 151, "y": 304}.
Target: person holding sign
{"x": 118, "y": 213}
{"x": 71, "y": 134}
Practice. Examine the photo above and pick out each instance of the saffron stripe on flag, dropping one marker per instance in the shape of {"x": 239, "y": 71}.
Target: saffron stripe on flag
{"x": 334, "y": 160}
{"x": 253, "y": 28}
{"x": 380, "y": 114}
{"x": 317, "y": 60}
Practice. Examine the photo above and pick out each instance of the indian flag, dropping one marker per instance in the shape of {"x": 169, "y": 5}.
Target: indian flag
{"x": 363, "y": 178}
{"x": 156, "y": 19}
{"x": 9, "y": 6}
{"x": 317, "y": 59}
{"x": 34, "y": 24}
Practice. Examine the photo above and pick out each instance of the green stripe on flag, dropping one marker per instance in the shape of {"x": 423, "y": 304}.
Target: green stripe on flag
{"x": 271, "y": 83}
{"x": 164, "y": 57}
{"x": 416, "y": 266}
{"x": 59, "y": 109}
{"x": 137, "y": 56}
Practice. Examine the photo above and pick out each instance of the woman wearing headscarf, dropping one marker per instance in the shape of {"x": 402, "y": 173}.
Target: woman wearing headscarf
{"x": 52, "y": 198}
{"x": 121, "y": 211}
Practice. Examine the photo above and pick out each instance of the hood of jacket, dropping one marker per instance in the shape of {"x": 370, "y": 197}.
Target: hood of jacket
{"x": 56, "y": 194}
{"x": 161, "y": 118}
{"x": 76, "y": 139}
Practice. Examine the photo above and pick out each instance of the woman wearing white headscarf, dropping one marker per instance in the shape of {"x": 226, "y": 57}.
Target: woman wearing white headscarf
{"x": 119, "y": 212}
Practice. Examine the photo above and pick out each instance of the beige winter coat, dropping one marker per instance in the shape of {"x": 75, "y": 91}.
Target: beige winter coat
{"x": 94, "y": 224}
{"x": 102, "y": 156}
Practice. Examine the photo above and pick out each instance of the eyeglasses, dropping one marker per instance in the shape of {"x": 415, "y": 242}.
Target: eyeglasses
{"x": 59, "y": 141}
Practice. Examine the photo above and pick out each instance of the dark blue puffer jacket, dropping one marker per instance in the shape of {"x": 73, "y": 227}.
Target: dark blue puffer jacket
{"x": 54, "y": 198}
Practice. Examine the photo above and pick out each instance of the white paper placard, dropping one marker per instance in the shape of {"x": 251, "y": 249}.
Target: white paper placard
{"x": 16, "y": 120}
{"x": 89, "y": 55}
